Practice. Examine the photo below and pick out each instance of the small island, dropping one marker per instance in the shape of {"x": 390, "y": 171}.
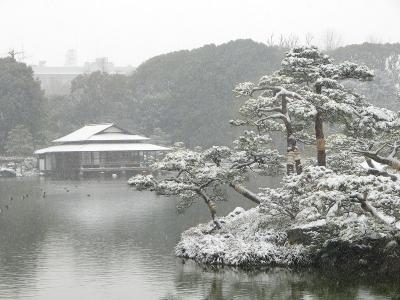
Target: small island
{"x": 338, "y": 210}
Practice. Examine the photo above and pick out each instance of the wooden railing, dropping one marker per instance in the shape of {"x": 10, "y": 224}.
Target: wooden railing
{"x": 115, "y": 165}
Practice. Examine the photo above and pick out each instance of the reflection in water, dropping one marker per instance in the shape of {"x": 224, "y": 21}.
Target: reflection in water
{"x": 282, "y": 284}
{"x": 118, "y": 244}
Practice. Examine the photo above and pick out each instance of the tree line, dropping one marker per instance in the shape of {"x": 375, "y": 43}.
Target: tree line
{"x": 181, "y": 96}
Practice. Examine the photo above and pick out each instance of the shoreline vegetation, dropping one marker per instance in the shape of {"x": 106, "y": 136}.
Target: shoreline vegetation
{"x": 252, "y": 240}
{"x": 16, "y": 166}
{"x": 339, "y": 210}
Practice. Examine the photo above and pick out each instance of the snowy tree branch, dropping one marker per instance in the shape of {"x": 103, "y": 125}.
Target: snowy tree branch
{"x": 368, "y": 207}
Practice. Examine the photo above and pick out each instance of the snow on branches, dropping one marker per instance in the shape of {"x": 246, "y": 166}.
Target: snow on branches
{"x": 372, "y": 121}
{"x": 309, "y": 65}
{"x": 297, "y": 220}
{"x": 304, "y": 93}
{"x": 339, "y": 199}
{"x": 373, "y": 133}
{"x": 191, "y": 175}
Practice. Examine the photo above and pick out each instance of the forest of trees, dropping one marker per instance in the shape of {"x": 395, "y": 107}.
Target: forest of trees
{"x": 186, "y": 94}
{"x": 180, "y": 96}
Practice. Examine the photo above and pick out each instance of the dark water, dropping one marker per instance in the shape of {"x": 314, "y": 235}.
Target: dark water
{"x": 102, "y": 240}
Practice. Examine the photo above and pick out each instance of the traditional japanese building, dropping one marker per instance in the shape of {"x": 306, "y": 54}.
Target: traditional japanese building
{"x": 98, "y": 148}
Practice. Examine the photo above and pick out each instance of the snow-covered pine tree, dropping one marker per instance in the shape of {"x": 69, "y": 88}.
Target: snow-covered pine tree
{"x": 304, "y": 93}
{"x": 316, "y": 71}
{"x": 193, "y": 175}
{"x": 373, "y": 134}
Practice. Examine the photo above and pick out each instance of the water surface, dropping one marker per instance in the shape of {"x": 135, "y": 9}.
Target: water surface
{"x": 99, "y": 239}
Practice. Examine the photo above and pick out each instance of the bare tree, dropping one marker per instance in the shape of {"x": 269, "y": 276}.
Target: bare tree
{"x": 308, "y": 38}
{"x": 290, "y": 41}
{"x": 270, "y": 41}
{"x": 282, "y": 41}
{"x": 331, "y": 40}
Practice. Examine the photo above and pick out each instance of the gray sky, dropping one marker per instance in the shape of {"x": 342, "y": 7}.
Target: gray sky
{"x": 129, "y": 32}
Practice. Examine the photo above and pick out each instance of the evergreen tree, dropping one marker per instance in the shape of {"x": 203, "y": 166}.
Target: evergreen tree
{"x": 19, "y": 142}
{"x": 22, "y": 101}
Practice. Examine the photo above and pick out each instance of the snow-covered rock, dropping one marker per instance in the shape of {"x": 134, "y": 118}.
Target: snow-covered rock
{"x": 309, "y": 233}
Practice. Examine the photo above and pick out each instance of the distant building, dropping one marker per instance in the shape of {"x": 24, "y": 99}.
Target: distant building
{"x": 100, "y": 64}
{"x": 71, "y": 58}
{"x": 56, "y": 80}
{"x": 98, "y": 148}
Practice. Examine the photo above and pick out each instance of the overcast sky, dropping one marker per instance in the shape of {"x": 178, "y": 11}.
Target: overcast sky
{"x": 131, "y": 31}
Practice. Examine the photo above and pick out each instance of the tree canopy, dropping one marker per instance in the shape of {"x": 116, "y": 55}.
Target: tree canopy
{"x": 19, "y": 142}
{"x": 187, "y": 94}
{"x": 22, "y": 101}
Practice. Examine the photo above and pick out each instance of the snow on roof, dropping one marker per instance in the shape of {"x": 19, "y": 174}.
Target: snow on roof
{"x": 117, "y": 137}
{"x": 95, "y": 132}
{"x": 102, "y": 147}
{"x": 84, "y": 133}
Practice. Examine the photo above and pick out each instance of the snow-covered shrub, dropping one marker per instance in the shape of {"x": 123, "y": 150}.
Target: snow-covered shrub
{"x": 340, "y": 199}
{"x": 250, "y": 238}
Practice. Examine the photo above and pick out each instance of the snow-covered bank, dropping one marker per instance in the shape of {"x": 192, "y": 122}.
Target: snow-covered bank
{"x": 254, "y": 239}
{"x": 247, "y": 239}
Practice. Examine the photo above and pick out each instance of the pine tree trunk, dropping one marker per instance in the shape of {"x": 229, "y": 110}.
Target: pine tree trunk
{"x": 319, "y": 135}
{"x": 290, "y": 159}
{"x": 293, "y": 158}
{"x": 320, "y": 140}
{"x": 297, "y": 161}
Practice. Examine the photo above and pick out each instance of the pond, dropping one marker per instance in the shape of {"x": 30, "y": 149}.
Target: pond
{"x": 99, "y": 239}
